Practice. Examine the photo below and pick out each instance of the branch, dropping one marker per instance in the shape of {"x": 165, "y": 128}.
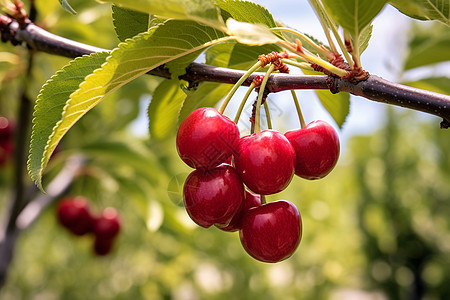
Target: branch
{"x": 374, "y": 88}
{"x": 9, "y": 234}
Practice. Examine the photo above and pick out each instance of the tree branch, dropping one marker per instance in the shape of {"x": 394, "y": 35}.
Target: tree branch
{"x": 374, "y": 88}
{"x": 31, "y": 211}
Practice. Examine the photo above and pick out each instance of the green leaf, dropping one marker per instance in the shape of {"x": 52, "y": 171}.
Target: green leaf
{"x": 354, "y": 15}
{"x": 67, "y": 7}
{"x": 121, "y": 153}
{"x": 424, "y": 9}
{"x": 435, "y": 84}
{"x": 203, "y": 11}
{"x": 251, "y": 34}
{"x": 364, "y": 39}
{"x": 337, "y": 105}
{"x": 49, "y": 108}
{"x": 164, "y": 108}
{"x": 245, "y": 11}
{"x": 160, "y": 45}
{"x": 428, "y": 46}
{"x": 236, "y": 55}
{"x": 208, "y": 94}
{"x": 129, "y": 23}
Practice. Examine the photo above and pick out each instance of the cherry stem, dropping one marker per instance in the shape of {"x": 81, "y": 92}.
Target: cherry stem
{"x": 299, "y": 110}
{"x": 266, "y": 109}
{"x": 244, "y": 100}
{"x": 263, "y": 199}
{"x": 301, "y": 65}
{"x": 227, "y": 99}
{"x": 260, "y": 96}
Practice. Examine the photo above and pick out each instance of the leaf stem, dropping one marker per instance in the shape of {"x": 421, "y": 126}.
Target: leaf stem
{"x": 305, "y": 54}
{"x": 319, "y": 48}
{"x": 260, "y": 96}
{"x": 227, "y": 99}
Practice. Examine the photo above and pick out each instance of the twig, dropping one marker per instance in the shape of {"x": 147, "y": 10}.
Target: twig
{"x": 374, "y": 88}
{"x": 33, "y": 209}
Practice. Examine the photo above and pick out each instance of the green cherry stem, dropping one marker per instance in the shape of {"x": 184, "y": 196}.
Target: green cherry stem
{"x": 266, "y": 109}
{"x": 244, "y": 100}
{"x": 263, "y": 199}
{"x": 301, "y": 65}
{"x": 299, "y": 110}
{"x": 260, "y": 96}
{"x": 227, "y": 99}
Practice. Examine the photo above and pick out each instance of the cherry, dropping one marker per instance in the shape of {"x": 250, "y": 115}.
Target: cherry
{"x": 103, "y": 246}
{"x": 317, "y": 149}
{"x": 271, "y": 232}
{"x": 73, "y": 213}
{"x": 250, "y": 200}
{"x": 265, "y": 162}
{"x": 213, "y": 196}
{"x": 107, "y": 225}
{"x": 206, "y": 138}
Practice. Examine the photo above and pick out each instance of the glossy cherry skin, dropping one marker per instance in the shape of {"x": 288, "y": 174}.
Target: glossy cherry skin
{"x": 206, "y": 138}
{"x": 107, "y": 225}
{"x": 213, "y": 196}
{"x": 265, "y": 162}
{"x": 250, "y": 200}
{"x": 271, "y": 232}
{"x": 317, "y": 149}
{"x": 73, "y": 213}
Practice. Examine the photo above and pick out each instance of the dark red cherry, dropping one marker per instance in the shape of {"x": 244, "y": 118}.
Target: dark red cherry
{"x": 73, "y": 213}
{"x": 250, "y": 200}
{"x": 271, "y": 232}
{"x": 103, "y": 246}
{"x": 213, "y": 196}
{"x": 265, "y": 162}
{"x": 317, "y": 149}
{"x": 107, "y": 225}
{"x": 206, "y": 138}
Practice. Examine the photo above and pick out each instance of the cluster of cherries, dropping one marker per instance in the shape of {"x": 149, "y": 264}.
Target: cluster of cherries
{"x": 74, "y": 214}
{"x": 233, "y": 174}
{"x": 6, "y": 140}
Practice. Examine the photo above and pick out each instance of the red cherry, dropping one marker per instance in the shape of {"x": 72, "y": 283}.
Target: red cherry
{"x": 250, "y": 200}
{"x": 103, "y": 246}
{"x": 317, "y": 149}
{"x": 73, "y": 213}
{"x": 107, "y": 226}
{"x": 206, "y": 138}
{"x": 271, "y": 232}
{"x": 265, "y": 162}
{"x": 213, "y": 196}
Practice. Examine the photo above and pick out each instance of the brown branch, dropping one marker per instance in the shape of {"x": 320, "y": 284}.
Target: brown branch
{"x": 374, "y": 88}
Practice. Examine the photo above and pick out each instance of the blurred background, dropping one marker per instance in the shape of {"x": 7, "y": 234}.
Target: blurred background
{"x": 377, "y": 227}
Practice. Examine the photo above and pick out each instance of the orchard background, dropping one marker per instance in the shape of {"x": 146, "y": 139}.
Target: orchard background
{"x": 375, "y": 228}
